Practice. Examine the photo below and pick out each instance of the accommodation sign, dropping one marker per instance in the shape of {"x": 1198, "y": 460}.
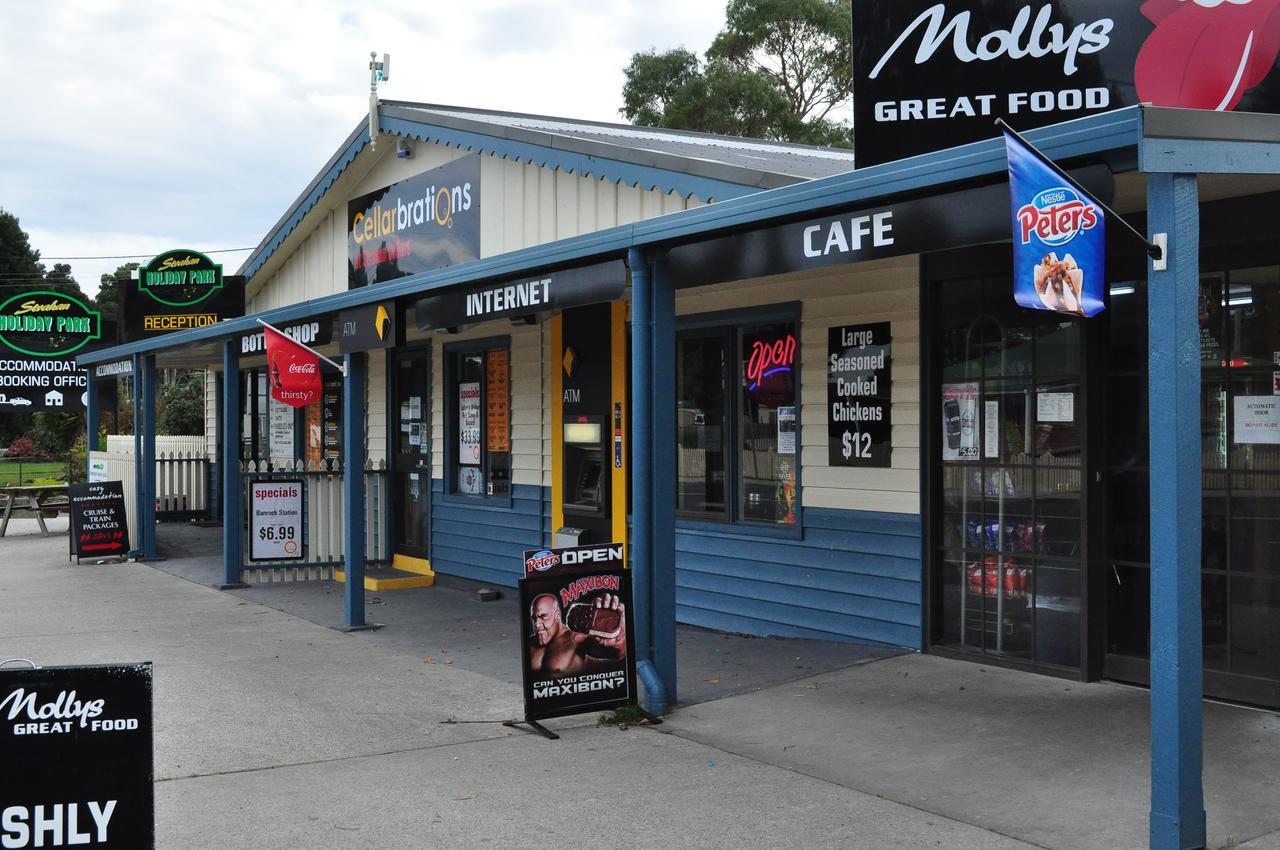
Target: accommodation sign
{"x": 99, "y": 523}
{"x": 930, "y": 75}
{"x": 859, "y": 427}
{"x": 179, "y": 290}
{"x": 77, "y": 756}
{"x": 429, "y": 221}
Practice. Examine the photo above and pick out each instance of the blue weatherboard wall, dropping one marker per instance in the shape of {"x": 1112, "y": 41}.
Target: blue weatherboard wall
{"x": 855, "y": 575}
{"x": 486, "y": 542}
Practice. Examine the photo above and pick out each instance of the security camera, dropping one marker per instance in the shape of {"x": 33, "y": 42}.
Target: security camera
{"x": 404, "y": 148}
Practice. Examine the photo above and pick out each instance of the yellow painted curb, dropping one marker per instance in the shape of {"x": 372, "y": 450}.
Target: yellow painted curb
{"x": 408, "y": 564}
{"x": 396, "y": 583}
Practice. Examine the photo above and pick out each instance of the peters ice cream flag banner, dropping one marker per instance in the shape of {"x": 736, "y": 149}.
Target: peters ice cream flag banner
{"x": 294, "y": 371}
{"x": 1059, "y": 237}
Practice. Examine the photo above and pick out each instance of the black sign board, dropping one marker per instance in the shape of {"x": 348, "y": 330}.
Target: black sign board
{"x": 179, "y": 290}
{"x": 314, "y": 333}
{"x": 859, "y": 428}
{"x": 930, "y": 75}
{"x": 331, "y": 418}
{"x": 40, "y": 333}
{"x": 953, "y": 220}
{"x": 524, "y": 296}
{"x": 77, "y": 747}
{"x": 577, "y": 636}
{"x": 429, "y": 221}
{"x": 370, "y": 327}
{"x": 99, "y": 526}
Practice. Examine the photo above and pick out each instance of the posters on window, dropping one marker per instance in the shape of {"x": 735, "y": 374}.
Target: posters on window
{"x": 960, "y": 421}
{"x": 469, "y": 422}
{"x": 1055, "y": 407}
{"x": 787, "y": 430}
{"x": 498, "y": 400}
{"x": 280, "y": 429}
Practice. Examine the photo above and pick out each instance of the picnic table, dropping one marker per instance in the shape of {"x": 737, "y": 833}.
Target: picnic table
{"x": 37, "y": 498}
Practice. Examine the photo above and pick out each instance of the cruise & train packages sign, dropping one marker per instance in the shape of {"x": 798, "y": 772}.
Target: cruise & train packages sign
{"x": 429, "y": 221}
{"x": 40, "y": 333}
{"x": 99, "y": 523}
{"x": 930, "y": 75}
{"x": 577, "y": 642}
{"x": 77, "y": 750}
{"x": 179, "y": 290}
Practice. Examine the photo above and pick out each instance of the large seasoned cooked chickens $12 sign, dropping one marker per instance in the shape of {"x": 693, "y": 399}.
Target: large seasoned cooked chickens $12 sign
{"x": 932, "y": 75}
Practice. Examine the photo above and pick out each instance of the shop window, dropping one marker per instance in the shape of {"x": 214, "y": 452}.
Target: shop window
{"x": 737, "y": 423}
{"x": 478, "y": 405}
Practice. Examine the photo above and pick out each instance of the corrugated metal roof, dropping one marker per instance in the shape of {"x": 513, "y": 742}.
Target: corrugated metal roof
{"x": 789, "y": 162}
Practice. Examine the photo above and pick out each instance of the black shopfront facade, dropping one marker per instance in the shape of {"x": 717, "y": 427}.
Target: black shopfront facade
{"x": 1036, "y": 466}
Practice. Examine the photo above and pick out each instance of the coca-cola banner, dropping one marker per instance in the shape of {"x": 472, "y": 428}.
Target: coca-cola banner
{"x": 576, "y": 631}
{"x": 294, "y": 372}
{"x": 930, "y": 75}
{"x": 77, "y": 766}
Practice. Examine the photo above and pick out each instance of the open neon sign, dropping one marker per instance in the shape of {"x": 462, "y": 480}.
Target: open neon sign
{"x": 770, "y": 358}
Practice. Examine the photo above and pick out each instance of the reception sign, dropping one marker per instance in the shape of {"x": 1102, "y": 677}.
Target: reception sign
{"x": 77, "y": 757}
{"x": 930, "y": 75}
{"x": 179, "y": 290}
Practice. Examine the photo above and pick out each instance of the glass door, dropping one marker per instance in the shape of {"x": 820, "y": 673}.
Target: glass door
{"x": 411, "y": 460}
{"x": 1010, "y": 459}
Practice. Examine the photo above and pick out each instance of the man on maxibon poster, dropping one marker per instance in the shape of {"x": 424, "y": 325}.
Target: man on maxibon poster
{"x": 576, "y": 655}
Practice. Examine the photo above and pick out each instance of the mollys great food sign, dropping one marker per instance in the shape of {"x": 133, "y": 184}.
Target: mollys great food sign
{"x": 932, "y": 75}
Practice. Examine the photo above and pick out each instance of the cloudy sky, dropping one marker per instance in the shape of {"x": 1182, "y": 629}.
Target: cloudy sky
{"x": 132, "y": 127}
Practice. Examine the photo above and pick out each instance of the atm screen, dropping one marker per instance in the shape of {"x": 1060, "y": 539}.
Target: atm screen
{"x": 582, "y": 433}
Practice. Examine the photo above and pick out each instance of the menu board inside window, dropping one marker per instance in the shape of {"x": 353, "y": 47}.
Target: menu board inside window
{"x": 498, "y": 401}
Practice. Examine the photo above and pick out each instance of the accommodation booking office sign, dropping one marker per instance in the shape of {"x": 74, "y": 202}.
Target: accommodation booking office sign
{"x": 859, "y": 427}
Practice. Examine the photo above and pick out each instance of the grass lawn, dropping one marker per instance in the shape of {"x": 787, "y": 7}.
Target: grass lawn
{"x": 13, "y": 472}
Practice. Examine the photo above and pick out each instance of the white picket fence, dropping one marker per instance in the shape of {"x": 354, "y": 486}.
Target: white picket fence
{"x": 322, "y": 520}
{"x": 119, "y": 467}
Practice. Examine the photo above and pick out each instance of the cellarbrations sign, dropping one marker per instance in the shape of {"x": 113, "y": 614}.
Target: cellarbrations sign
{"x": 930, "y": 75}
{"x": 429, "y": 221}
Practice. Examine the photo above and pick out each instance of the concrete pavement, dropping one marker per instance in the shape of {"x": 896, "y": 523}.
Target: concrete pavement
{"x": 272, "y": 730}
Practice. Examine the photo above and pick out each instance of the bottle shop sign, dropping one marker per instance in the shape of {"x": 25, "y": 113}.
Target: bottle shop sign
{"x": 930, "y": 75}
{"x": 77, "y": 757}
{"x": 577, "y": 637}
{"x": 859, "y": 427}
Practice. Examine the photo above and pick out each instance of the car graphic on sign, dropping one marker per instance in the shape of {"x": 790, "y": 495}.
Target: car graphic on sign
{"x": 18, "y": 402}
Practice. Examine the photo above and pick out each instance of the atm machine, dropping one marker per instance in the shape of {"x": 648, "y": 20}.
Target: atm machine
{"x": 590, "y": 426}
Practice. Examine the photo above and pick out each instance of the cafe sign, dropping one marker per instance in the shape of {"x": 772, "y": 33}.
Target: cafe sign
{"x": 43, "y": 323}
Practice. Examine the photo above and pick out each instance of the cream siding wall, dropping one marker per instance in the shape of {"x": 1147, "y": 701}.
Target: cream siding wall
{"x": 212, "y": 427}
{"x": 881, "y": 291}
{"x": 376, "y": 407}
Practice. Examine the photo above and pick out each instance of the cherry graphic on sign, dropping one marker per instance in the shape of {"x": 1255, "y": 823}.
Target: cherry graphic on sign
{"x": 1205, "y": 54}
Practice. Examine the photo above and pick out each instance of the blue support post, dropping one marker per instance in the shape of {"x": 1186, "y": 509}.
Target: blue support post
{"x": 147, "y": 508}
{"x": 1177, "y": 660}
{"x": 139, "y": 484}
{"x": 354, "y": 438}
{"x": 655, "y": 699}
{"x": 662, "y": 411}
{"x": 92, "y": 413}
{"x": 232, "y": 491}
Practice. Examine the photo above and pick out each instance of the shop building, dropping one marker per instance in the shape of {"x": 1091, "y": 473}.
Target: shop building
{"x": 803, "y": 394}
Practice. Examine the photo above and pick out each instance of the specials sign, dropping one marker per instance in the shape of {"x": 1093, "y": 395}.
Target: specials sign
{"x": 275, "y": 520}
{"x": 99, "y": 524}
{"x": 78, "y": 757}
{"x": 930, "y": 75}
{"x": 578, "y": 645}
{"x": 859, "y": 427}
{"x": 429, "y": 221}
{"x": 179, "y": 290}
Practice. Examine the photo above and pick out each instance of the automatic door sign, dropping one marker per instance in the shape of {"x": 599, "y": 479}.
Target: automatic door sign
{"x": 99, "y": 526}
{"x": 77, "y": 766}
{"x": 275, "y": 521}
{"x": 577, "y": 633}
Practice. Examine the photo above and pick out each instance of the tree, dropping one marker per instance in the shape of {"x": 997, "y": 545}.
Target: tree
{"x": 181, "y": 405}
{"x": 110, "y": 287}
{"x": 778, "y": 70}
{"x": 59, "y": 279}
{"x": 18, "y": 260}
